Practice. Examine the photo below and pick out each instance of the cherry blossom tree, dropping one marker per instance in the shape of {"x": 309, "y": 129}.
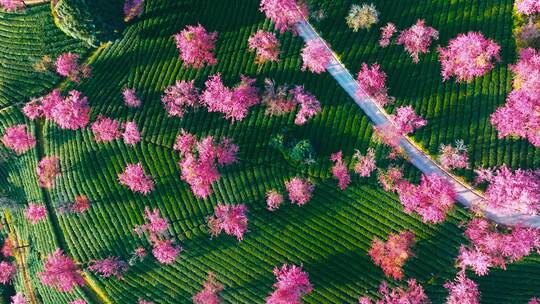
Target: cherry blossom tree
{"x": 431, "y": 199}
{"x": 179, "y": 96}
{"x": 7, "y": 271}
{"x": 413, "y": 294}
{"x": 71, "y": 113}
{"x": 165, "y": 251}
{"x": 78, "y": 301}
{"x": 12, "y": 5}
{"x": 417, "y": 39}
{"x": 387, "y": 32}
{"x": 136, "y": 180}
{"x": 534, "y": 301}
{"x": 61, "y": 272}
{"x": 462, "y": 290}
{"x": 364, "y": 165}
{"x": 340, "y": 170}
{"x": 18, "y": 298}
{"x": 106, "y": 129}
{"x": 108, "y": 267}
{"x": 277, "y": 99}
{"x": 299, "y": 190}
{"x": 230, "y": 219}
{"x": 67, "y": 65}
{"x": 362, "y": 16}
{"x": 406, "y": 120}
{"x": 274, "y": 199}
{"x": 285, "y": 13}
{"x": 47, "y": 170}
{"x": 467, "y": 56}
{"x": 309, "y": 105}
{"x": 130, "y": 96}
{"x": 196, "y": 46}
{"x": 292, "y": 283}
{"x": 454, "y": 157}
{"x": 266, "y": 46}
{"x": 155, "y": 225}
{"x": 371, "y": 82}
{"x": 131, "y": 134}
{"x": 528, "y": 7}
{"x": 132, "y": 9}
{"x": 388, "y": 134}
{"x": 32, "y": 109}
{"x": 35, "y": 213}
{"x": 315, "y": 56}
{"x": 392, "y": 254}
{"x": 209, "y": 293}
{"x": 389, "y": 179}
{"x": 18, "y": 139}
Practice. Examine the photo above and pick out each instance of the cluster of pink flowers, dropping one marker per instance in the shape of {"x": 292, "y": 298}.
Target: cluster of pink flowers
{"x": 18, "y": 298}
{"x": 340, "y": 170}
{"x": 165, "y": 251}
{"x": 431, "y": 199}
{"x": 277, "y": 99}
{"x": 230, "y": 219}
{"x": 454, "y": 158}
{"x": 392, "y": 254}
{"x": 299, "y": 190}
{"x": 309, "y": 105}
{"x": 266, "y": 46}
{"x": 510, "y": 193}
{"x": 179, "y": 96}
{"x": 414, "y": 294}
{"x": 389, "y": 179}
{"x": 387, "y": 32}
{"x": 389, "y": 135}
{"x": 35, "y": 213}
{"x": 468, "y": 56}
{"x": 209, "y": 293}
{"x": 364, "y": 165}
{"x": 274, "y": 199}
{"x": 67, "y": 65}
{"x": 130, "y": 97}
{"x": 417, "y": 39}
{"x": 462, "y": 290}
{"x": 71, "y": 112}
{"x": 110, "y": 266}
{"x": 107, "y": 129}
{"x": 132, "y": 9}
{"x": 78, "y": 301}
{"x": 284, "y": 13}
{"x": 136, "y": 180}
{"x": 292, "y": 283}
{"x": 12, "y": 5}
{"x": 18, "y": 139}
{"x": 406, "y": 120}
{"x": 315, "y": 56}
{"x": 131, "y": 134}
{"x": 47, "y": 170}
{"x": 491, "y": 248}
{"x": 528, "y": 7}
{"x": 371, "y": 82}
{"x": 200, "y": 160}
{"x": 61, "y": 272}
{"x": 519, "y": 116}
{"x": 155, "y": 225}
{"x": 7, "y": 271}
{"x": 163, "y": 248}
{"x": 196, "y": 46}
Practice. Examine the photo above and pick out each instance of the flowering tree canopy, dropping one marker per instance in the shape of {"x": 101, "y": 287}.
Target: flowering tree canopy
{"x": 132, "y": 9}
{"x": 47, "y": 170}
{"x": 78, "y": 301}
{"x": 274, "y": 199}
{"x": 179, "y": 96}
{"x": 371, "y": 82}
{"x": 414, "y": 294}
{"x": 454, "y": 158}
{"x": 12, "y": 5}
{"x": 131, "y": 134}
{"x": 284, "y": 13}
{"x": 362, "y": 17}
{"x": 309, "y": 105}
{"x": 387, "y": 32}
{"x": 392, "y": 254}
{"x": 7, "y": 271}
{"x": 155, "y": 224}
{"x": 18, "y": 139}
{"x": 364, "y": 165}
{"x": 462, "y": 290}
{"x": 300, "y": 190}
{"x": 230, "y": 219}
{"x": 468, "y": 56}
{"x": 388, "y": 134}
{"x": 389, "y": 179}
{"x": 292, "y": 283}
{"x": 277, "y": 99}
{"x": 18, "y": 298}
{"x": 340, "y": 170}
{"x": 432, "y": 199}
{"x": 165, "y": 251}
{"x": 71, "y": 112}
{"x": 67, "y": 65}
{"x": 315, "y": 56}
{"x": 108, "y": 267}
{"x": 406, "y": 120}
{"x": 61, "y": 272}
{"x": 196, "y": 46}
{"x": 528, "y": 7}
{"x": 209, "y": 293}
{"x": 266, "y": 45}
{"x": 106, "y": 129}
{"x": 417, "y": 39}
{"x": 130, "y": 96}
{"x": 35, "y": 213}
{"x": 136, "y": 180}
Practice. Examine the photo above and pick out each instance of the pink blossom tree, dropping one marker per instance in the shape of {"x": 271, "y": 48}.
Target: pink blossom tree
{"x": 78, "y": 301}
{"x": 392, "y": 254}
{"x": 18, "y": 298}
{"x": 284, "y": 13}
{"x": 534, "y": 301}
{"x": 406, "y": 120}
{"x": 106, "y": 129}
{"x": 47, "y": 170}
{"x": 165, "y": 251}
{"x": 300, "y": 190}
{"x": 130, "y": 96}
{"x": 389, "y": 179}
{"x": 32, "y": 109}
{"x": 315, "y": 56}
{"x": 131, "y": 134}
{"x": 292, "y": 283}
{"x": 371, "y": 82}
{"x": 230, "y": 219}
{"x": 156, "y": 226}
{"x": 528, "y": 7}
{"x": 462, "y": 290}
{"x": 179, "y": 96}
{"x": 388, "y": 134}
{"x": 274, "y": 199}
{"x": 61, "y": 272}
{"x": 70, "y": 113}
{"x": 7, "y": 272}
{"x": 132, "y": 9}
{"x": 67, "y": 65}
{"x": 387, "y": 32}
{"x": 309, "y": 105}
{"x": 12, "y": 5}
{"x": 467, "y": 56}
{"x": 108, "y": 267}
{"x": 454, "y": 157}
{"x": 35, "y": 213}
{"x": 18, "y": 139}
{"x": 431, "y": 199}
{"x": 277, "y": 99}
{"x": 266, "y": 46}
{"x": 417, "y": 39}
{"x": 196, "y": 46}
{"x": 136, "y": 180}
{"x": 364, "y": 165}
{"x": 340, "y": 170}
{"x": 413, "y": 294}
{"x": 209, "y": 293}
